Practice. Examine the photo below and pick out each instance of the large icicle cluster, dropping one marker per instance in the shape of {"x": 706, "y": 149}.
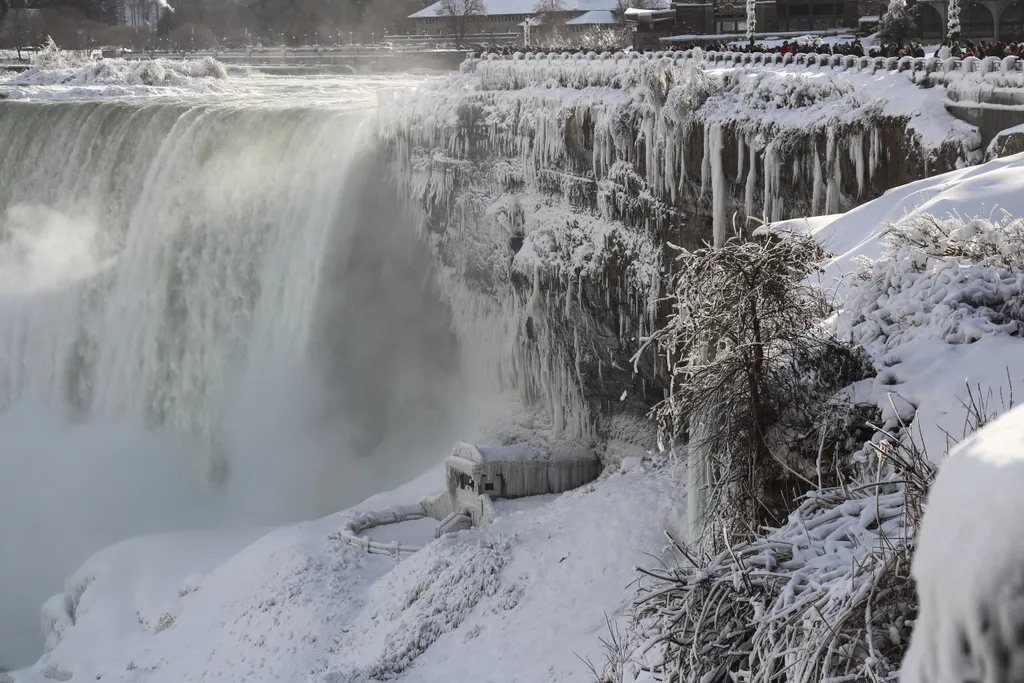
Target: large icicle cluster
{"x": 548, "y": 185}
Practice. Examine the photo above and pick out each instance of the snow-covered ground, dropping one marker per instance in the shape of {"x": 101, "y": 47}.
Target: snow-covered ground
{"x": 940, "y": 314}
{"x": 929, "y": 350}
{"x": 526, "y": 597}
{"x": 515, "y": 601}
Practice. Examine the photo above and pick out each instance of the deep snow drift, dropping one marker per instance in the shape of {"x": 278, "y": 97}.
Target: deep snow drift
{"x": 968, "y": 563}
{"x": 209, "y": 315}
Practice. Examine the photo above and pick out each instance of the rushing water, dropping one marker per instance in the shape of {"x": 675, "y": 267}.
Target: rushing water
{"x": 212, "y": 311}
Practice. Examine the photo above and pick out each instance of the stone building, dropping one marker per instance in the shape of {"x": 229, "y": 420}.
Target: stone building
{"x": 518, "y": 20}
{"x": 716, "y": 20}
{"x": 986, "y": 20}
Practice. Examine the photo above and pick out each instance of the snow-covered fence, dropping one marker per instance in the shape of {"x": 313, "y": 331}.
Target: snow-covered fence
{"x": 609, "y": 69}
{"x": 350, "y": 530}
{"x": 439, "y": 506}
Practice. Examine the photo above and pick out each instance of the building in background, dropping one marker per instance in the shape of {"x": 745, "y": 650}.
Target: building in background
{"x": 516, "y": 21}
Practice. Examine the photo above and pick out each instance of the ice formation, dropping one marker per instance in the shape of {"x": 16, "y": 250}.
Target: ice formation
{"x": 547, "y": 184}
{"x": 52, "y": 66}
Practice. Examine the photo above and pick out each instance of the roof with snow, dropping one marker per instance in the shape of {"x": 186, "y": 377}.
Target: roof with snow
{"x": 517, "y": 453}
{"x": 495, "y": 7}
{"x": 596, "y": 16}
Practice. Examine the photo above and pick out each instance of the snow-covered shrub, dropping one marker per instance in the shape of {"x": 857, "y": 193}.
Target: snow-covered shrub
{"x": 50, "y": 57}
{"x": 827, "y": 597}
{"x": 952, "y": 279}
{"x": 53, "y": 66}
{"x": 750, "y": 368}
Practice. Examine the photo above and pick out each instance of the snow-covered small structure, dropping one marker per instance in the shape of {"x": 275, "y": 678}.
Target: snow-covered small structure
{"x": 478, "y": 474}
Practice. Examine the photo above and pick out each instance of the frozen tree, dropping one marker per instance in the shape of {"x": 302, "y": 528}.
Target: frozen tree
{"x": 897, "y": 25}
{"x": 751, "y": 19}
{"x": 953, "y": 21}
{"x": 749, "y": 367}
{"x": 14, "y": 28}
{"x": 459, "y": 14}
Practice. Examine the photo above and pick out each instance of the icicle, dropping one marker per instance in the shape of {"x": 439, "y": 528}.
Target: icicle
{"x": 817, "y": 184}
{"x": 751, "y": 181}
{"x": 718, "y": 186}
{"x": 647, "y": 135}
{"x": 740, "y": 154}
{"x": 857, "y": 157}
{"x": 705, "y": 166}
{"x": 876, "y": 149}
{"x": 772, "y": 173}
{"x": 669, "y": 173}
{"x": 568, "y": 296}
{"x": 832, "y": 193}
{"x": 683, "y": 140}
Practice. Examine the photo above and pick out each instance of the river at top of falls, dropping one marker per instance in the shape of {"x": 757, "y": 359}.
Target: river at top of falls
{"x": 212, "y": 311}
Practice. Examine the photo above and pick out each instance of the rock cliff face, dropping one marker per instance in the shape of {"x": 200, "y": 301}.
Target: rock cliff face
{"x": 552, "y": 187}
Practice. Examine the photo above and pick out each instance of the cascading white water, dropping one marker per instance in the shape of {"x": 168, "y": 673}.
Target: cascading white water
{"x": 218, "y": 293}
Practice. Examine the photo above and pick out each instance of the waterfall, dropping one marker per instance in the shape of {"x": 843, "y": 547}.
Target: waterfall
{"x": 209, "y": 313}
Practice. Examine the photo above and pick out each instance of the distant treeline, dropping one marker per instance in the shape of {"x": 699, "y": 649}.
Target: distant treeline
{"x": 201, "y": 24}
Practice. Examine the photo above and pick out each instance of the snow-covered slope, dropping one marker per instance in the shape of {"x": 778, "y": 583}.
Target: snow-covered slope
{"x": 968, "y": 564}
{"x": 515, "y": 601}
{"x": 925, "y": 320}
{"x": 939, "y": 312}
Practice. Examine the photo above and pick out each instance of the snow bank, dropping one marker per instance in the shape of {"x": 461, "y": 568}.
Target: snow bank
{"x": 990, "y": 190}
{"x": 934, "y": 299}
{"x": 928, "y": 279}
{"x": 968, "y": 563}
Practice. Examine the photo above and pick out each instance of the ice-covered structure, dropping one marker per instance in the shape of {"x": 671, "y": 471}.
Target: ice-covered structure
{"x": 476, "y": 475}
{"x": 550, "y": 184}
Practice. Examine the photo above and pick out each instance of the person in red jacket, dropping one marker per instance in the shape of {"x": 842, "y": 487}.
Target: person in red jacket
{"x": 784, "y": 50}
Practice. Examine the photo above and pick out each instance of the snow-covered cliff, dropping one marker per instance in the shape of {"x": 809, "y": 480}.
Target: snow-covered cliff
{"x": 550, "y": 184}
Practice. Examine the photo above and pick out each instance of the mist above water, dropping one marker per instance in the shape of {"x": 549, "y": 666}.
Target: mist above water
{"x": 209, "y": 316}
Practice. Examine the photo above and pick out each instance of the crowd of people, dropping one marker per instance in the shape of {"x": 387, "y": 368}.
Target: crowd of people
{"x": 993, "y": 49}
{"x": 854, "y": 48}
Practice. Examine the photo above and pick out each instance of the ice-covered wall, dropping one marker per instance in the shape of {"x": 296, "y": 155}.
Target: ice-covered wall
{"x": 549, "y": 185}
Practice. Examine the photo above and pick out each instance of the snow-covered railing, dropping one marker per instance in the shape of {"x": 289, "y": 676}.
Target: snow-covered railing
{"x": 351, "y": 530}
{"x": 1005, "y": 72}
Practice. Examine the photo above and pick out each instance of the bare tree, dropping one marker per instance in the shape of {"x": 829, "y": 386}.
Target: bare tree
{"x": 5, "y": 7}
{"x": 459, "y": 14}
{"x": 15, "y": 10}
